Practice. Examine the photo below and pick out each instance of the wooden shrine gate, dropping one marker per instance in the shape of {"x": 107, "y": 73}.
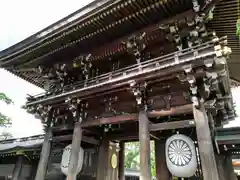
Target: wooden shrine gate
{"x": 134, "y": 70}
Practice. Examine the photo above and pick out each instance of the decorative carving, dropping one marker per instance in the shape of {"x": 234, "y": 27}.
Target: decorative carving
{"x": 140, "y": 93}
{"x": 77, "y": 107}
{"x": 136, "y": 45}
{"x": 40, "y": 112}
{"x": 108, "y": 104}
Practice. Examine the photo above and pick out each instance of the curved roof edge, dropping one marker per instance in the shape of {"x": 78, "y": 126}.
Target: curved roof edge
{"x": 59, "y": 26}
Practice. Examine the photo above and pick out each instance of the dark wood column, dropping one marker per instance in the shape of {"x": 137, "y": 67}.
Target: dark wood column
{"x": 34, "y": 165}
{"x": 76, "y": 144}
{"x": 206, "y": 151}
{"x": 162, "y": 172}
{"x": 144, "y": 139}
{"x": 121, "y": 161}
{"x": 18, "y": 168}
{"x": 103, "y": 155}
{"x": 43, "y": 162}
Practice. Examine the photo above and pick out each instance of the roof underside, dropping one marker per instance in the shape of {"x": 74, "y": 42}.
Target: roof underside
{"x": 104, "y": 22}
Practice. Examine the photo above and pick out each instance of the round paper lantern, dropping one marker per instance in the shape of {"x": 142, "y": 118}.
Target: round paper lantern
{"x": 181, "y": 156}
{"x": 66, "y": 159}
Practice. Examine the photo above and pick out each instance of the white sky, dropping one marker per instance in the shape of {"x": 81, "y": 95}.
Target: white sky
{"x": 20, "y": 19}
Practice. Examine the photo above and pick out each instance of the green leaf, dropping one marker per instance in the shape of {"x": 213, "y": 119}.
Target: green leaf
{"x": 238, "y": 28}
{"x": 5, "y": 99}
{"x": 4, "y": 120}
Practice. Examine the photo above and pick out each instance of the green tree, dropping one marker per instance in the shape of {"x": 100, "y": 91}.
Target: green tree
{"x": 132, "y": 156}
{"x": 5, "y": 120}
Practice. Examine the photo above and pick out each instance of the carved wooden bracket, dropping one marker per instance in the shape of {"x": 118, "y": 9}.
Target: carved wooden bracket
{"x": 140, "y": 93}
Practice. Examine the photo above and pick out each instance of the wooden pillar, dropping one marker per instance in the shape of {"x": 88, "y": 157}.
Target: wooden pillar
{"x": 18, "y": 168}
{"x": 162, "y": 172}
{"x": 43, "y": 162}
{"x": 76, "y": 144}
{"x": 103, "y": 154}
{"x": 34, "y": 165}
{"x": 205, "y": 145}
{"x": 121, "y": 175}
{"x": 144, "y": 139}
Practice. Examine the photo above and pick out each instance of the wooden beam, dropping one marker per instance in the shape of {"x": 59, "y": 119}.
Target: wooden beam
{"x": 206, "y": 152}
{"x": 69, "y": 137}
{"x": 76, "y": 144}
{"x": 110, "y": 120}
{"x": 43, "y": 162}
{"x": 134, "y": 117}
{"x": 162, "y": 172}
{"x": 172, "y": 125}
{"x": 144, "y": 139}
{"x": 172, "y": 111}
{"x": 121, "y": 157}
{"x": 152, "y": 128}
{"x": 18, "y": 168}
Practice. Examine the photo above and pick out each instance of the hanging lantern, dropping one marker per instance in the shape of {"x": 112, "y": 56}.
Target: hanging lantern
{"x": 66, "y": 159}
{"x": 181, "y": 156}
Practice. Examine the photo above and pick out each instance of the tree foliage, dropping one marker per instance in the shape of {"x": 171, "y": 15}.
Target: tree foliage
{"x": 5, "y": 120}
{"x": 132, "y": 153}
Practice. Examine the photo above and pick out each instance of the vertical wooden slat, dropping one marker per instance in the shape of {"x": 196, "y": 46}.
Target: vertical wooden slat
{"x": 43, "y": 162}
{"x": 76, "y": 144}
{"x": 144, "y": 139}
{"x": 121, "y": 161}
{"x": 162, "y": 172}
{"x": 18, "y": 168}
{"x": 205, "y": 145}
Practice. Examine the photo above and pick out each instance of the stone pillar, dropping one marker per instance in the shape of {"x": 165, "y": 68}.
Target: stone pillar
{"x": 162, "y": 172}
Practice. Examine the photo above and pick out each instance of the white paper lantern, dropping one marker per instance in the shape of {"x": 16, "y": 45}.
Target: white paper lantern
{"x": 181, "y": 156}
{"x": 66, "y": 159}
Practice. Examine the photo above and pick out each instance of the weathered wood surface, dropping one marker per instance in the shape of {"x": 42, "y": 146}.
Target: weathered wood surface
{"x": 103, "y": 159}
{"x": 144, "y": 139}
{"x": 172, "y": 125}
{"x": 76, "y": 144}
{"x": 134, "y": 117}
{"x": 121, "y": 160}
{"x": 205, "y": 145}
{"x": 162, "y": 172}
{"x": 43, "y": 162}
